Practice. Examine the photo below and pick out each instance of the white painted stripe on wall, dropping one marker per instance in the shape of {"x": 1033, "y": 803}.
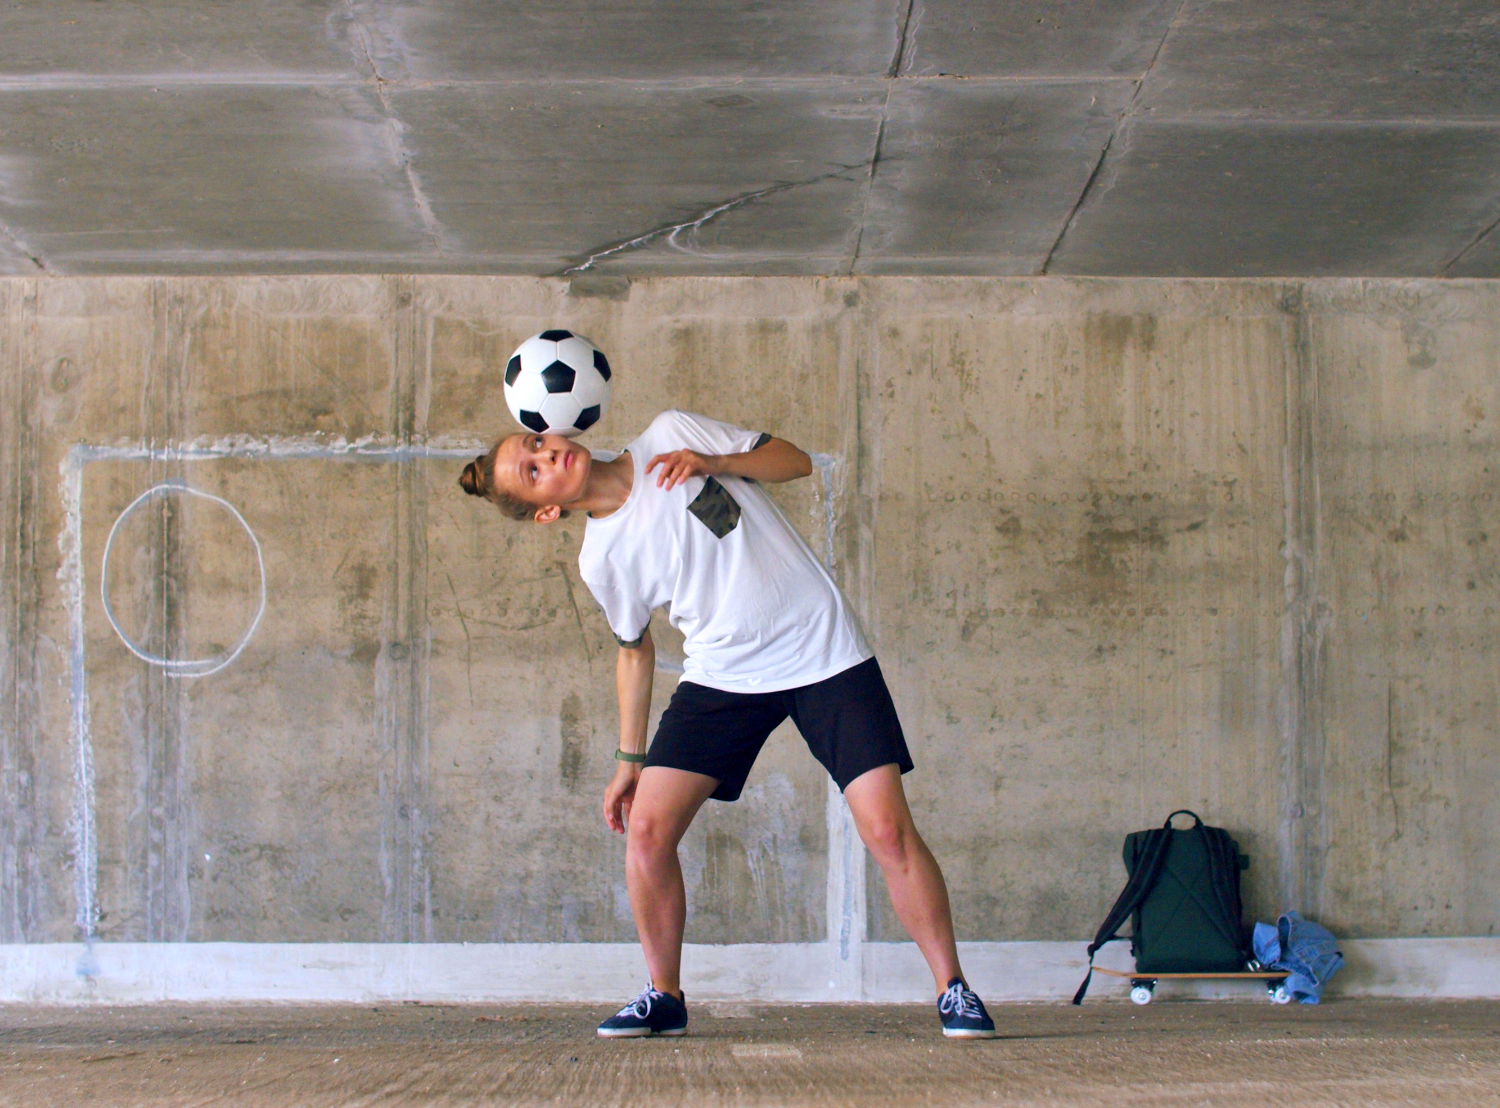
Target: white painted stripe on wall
{"x": 606, "y": 973}
{"x": 71, "y": 576}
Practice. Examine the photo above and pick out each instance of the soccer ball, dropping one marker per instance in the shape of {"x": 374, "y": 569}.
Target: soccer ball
{"x": 557, "y": 382}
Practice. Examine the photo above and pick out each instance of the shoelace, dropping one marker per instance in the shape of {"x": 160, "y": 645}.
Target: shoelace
{"x": 960, "y": 1001}
{"x": 640, "y": 1007}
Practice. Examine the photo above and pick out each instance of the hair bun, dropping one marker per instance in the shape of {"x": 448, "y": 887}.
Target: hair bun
{"x": 469, "y": 480}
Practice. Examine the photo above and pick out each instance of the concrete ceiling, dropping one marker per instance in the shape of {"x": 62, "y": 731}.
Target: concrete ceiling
{"x": 642, "y": 137}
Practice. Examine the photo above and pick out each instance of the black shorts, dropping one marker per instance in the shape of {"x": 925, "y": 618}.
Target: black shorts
{"x": 847, "y": 720}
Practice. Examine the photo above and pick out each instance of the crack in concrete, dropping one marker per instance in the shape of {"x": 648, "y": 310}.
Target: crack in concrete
{"x": 1082, "y": 196}
{"x": 1479, "y": 238}
{"x": 691, "y": 226}
{"x": 900, "y": 59}
{"x": 864, "y": 213}
{"x": 458, "y": 609}
{"x": 19, "y": 245}
{"x": 1121, "y": 123}
{"x": 361, "y": 44}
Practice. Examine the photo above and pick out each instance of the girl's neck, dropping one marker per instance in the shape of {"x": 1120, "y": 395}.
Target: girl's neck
{"x": 608, "y": 486}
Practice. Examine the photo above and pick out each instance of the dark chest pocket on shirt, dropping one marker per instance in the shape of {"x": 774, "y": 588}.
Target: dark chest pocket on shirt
{"x": 716, "y": 509}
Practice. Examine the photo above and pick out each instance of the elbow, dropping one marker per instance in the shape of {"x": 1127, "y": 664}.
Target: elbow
{"x": 787, "y": 462}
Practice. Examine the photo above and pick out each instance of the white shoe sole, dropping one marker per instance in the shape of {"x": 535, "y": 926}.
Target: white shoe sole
{"x": 963, "y": 1033}
{"x": 638, "y": 1033}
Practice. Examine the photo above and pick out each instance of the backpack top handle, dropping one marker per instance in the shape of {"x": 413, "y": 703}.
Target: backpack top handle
{"x": 1184, "y": 812}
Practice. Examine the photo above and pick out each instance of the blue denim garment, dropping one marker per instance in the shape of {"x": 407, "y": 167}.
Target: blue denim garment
{"x": 1306, "y": 950}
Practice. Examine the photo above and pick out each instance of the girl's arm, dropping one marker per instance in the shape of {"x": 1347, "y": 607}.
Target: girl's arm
{"x": 634, "y": 668}
{"x": 773, "y": 462}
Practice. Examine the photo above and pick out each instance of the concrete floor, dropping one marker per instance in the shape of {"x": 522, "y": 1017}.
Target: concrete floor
{"x": 1226, "y": 1054}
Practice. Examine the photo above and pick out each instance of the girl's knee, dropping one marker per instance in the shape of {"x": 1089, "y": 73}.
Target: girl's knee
{"x": 889, "y": 837}
{"x": 649, "y": 836}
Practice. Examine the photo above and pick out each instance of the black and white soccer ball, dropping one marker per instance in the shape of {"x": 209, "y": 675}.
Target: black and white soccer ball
{"x": 557, "y": 382}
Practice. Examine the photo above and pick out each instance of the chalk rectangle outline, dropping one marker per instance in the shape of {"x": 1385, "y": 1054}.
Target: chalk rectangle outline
{"x": 845, "y": 935}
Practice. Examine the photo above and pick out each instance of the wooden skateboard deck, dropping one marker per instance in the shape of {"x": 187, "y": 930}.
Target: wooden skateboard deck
{"x": 1143, "y": 985}
{"x": 1246, "y": 975}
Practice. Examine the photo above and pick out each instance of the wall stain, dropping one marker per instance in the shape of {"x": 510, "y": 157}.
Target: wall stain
{"x": 1107, "y": 336}
{"x": 573, "y": 748}
{"x": 1100, "y": 569}
{"x": 365, "y": 652}
{"x": 1419, "y": 340}
{"x": 357, "y": 614}
{"x": 1390, "y": 759}
{"x": 63, "y": 375}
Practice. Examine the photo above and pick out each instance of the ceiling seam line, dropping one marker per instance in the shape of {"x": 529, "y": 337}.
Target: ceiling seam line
{"x": 83, "y": 83}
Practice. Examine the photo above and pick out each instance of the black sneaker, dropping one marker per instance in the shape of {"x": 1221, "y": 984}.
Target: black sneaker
{"x": 652, "y": 1013}
{"x": 963, "y": 1013}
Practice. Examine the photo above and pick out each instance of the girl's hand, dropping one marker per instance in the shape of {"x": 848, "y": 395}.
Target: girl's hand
{"x": 619, "y": 794}
{"x": 679, "y": 465}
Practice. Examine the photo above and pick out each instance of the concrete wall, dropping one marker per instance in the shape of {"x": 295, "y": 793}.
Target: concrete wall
{"x": 1122, "y": 546}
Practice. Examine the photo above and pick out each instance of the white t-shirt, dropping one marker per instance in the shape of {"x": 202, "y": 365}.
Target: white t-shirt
{"x": 758, "y": 611}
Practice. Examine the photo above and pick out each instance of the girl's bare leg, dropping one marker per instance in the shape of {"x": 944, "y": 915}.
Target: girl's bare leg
{"x": 918, "y": 894}
{"x": 666, "y": 800}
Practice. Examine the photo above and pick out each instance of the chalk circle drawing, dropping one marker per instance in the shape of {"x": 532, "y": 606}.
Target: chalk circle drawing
{"x": 184, "y": 667}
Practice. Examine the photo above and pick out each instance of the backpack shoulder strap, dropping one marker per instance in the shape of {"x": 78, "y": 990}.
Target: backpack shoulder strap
{"x": 1224, "y": 865}
{"x": 1152, "y": 853}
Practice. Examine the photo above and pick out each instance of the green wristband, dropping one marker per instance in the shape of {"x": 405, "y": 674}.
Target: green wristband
{"x": 622, "y": 756}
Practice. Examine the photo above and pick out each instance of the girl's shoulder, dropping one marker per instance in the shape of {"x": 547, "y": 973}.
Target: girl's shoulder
{"x": 666, "y": 431}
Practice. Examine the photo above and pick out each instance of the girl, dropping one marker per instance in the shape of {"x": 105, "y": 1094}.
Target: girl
{"x": 678, "y": 519}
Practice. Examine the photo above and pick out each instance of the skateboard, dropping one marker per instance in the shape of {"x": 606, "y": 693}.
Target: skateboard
{"x": 1143, "y": 985}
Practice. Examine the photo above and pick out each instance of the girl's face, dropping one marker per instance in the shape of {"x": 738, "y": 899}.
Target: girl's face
{"x": 542, "y": 469}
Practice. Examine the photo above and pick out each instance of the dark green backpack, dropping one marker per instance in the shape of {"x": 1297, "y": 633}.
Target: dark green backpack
{"x": 1183, "y": 899}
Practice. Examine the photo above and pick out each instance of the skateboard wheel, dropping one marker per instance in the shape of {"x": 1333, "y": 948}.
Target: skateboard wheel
{"x": 1279, "y": 995}
{"x": 1141, "y": 994}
